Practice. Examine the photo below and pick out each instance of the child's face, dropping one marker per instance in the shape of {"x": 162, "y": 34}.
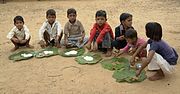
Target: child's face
{"x": 19, "y": 24}
{"x": 100, "y": 20}
{"x": 72, "y": 17}
{"x": 131, "y": 41}
{"x": 51, "y": 19}
{"x": 127, "y": 22}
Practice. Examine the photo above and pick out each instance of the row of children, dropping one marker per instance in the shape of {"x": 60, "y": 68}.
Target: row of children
{"x": 159, "y": 56}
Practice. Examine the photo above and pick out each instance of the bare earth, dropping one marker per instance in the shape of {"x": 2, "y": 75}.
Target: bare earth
{"x": 58, "y": 75}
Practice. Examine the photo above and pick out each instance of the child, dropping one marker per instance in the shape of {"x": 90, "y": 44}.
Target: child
{"x": 50, "y": 32}
{"x": 133, "y": 43}
{"x": 74, "y": 33}
{"x": 161, "y": 57}
{"x": 125, "y": 23}
{"x": 101, "y": 34}
{"x": 19, "y": 34}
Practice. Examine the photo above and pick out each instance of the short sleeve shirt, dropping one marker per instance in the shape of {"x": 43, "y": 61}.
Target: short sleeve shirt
{"x": 162, "y": 48}
{"x": 20, "y": 34}
{"x": 74, "y": 30}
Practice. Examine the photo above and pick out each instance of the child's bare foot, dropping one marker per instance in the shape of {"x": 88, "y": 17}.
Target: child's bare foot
{"x": 88, "y": 47}
{"x": 108, "y": 54}
{"x": 14, "y": 49}
{"x": 58, "y": 46}
{"x": 159, "y": 75}
{"x": 30, "y": 46}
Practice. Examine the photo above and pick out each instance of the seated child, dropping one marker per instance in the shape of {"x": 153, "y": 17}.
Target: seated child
{"x": 125, "y": 23}
{"x": 101, "y": 34}
{"x": 74, "y": 33}
{"x": 50, "y": 33}
{"x": 161, "y": 57}
{"x": 19, "y": 34}
{"x": 133, "y": 43}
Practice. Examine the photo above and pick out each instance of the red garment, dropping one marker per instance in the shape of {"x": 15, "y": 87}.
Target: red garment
{"x": 103, "y": 30}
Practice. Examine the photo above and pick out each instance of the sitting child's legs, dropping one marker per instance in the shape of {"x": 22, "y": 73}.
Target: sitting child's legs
{"x": 161, "y": 65}
{"x": 106, "y": 43}
{"x": 27, "y": 43}
{"x": 58, "y": 42}
{"x": 157, "y": 76}
{"x": 46, "y": 39}
{"x": 16, "y": 42}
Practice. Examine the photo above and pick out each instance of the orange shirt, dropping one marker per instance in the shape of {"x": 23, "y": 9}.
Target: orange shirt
{"x": 102, "y": 31}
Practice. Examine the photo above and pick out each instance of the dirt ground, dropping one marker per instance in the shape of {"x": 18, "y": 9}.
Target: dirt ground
{"x": 58, "y": 75}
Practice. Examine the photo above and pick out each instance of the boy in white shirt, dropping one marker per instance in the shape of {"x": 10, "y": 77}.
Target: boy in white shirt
{"x": 19, "y": 34}
{"x": 50, "y": 32}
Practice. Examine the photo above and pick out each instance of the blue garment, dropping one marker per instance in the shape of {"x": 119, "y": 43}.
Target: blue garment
{"x": 162, "y": 48}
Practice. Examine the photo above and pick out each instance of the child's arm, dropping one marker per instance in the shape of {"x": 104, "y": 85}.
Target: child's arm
{"x": 120, "y": 53}
{"x": 27, "y": 35}
{"x": 41, "y": 31}
{"x": 66, "y": 32}
{"x": 11, "y": 36}
{"x": 83, "y": 31}
{"x": 92, "y": 34}
{"x": 65, "y": 39}
{"x": 82, "y": 38}
{"x": 146, "y": 62}
{"x": 58, "y": 35}
{"x": 137, "y": 51}
{"x": 124, "y": 50}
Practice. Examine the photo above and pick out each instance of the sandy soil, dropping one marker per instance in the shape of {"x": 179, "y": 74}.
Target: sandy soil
{"x": 58, "y": 75}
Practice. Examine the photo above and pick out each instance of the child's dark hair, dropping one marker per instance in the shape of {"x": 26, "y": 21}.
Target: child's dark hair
{"x": 154, "y": 31}
{"x": 51, "y": 12}
{"x": 20, "y": 18}
{"x": 124, "y": 16}
{"x": 130, "y": 33}
{"x": 101, "y": 13}
{"x": 71, "y": 10}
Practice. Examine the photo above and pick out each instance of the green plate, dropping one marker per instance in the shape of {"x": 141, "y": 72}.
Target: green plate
{"x": 115, "y": 63}
{"x": 47, "y": 52}
{"x": 96, "y": 58}
{"x": 80, "y": 51}
{"x": 22, "y": 55}
{"x": 128, "y": 75}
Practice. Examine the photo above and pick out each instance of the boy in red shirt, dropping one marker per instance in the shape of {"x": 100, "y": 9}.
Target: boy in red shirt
{"x": 101, "y": 34}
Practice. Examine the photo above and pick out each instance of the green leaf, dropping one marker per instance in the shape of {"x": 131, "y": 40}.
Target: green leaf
{"x": 96, "y": 58}
{"x": 128, "y": 75}
{"x": 40, "y": 54}
{"x": 80, "y": 51}
{"x": 18, "y": 56}
{"x": 115, "y": 63}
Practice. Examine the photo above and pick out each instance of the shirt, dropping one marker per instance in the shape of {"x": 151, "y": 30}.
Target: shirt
{"x": 20, "y": 34}
{"x": 74, "y": 30}
{"x": 102, "y": 31}
{"x": 139, "y": 42}
{"x": 53, "y": 31}
{"x": 162, "y": 48}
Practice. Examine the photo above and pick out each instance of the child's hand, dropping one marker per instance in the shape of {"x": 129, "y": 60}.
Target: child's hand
{"x": 138, "y": 72}
{"x": 81, "y": 40}
{"x": 95, "y": 47}
{"x": 42, "y": 44}
{"x": 15, "y": 40}
{"x": 65, "y": 42}
{"x": 132, "y": 61}
{"x": 88, "y": 46}
{"x": 120, "y": 37}
{"x": 23, "y": 41}
{"x": 116, "y": 54}
{"x": 57, "y": 44}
